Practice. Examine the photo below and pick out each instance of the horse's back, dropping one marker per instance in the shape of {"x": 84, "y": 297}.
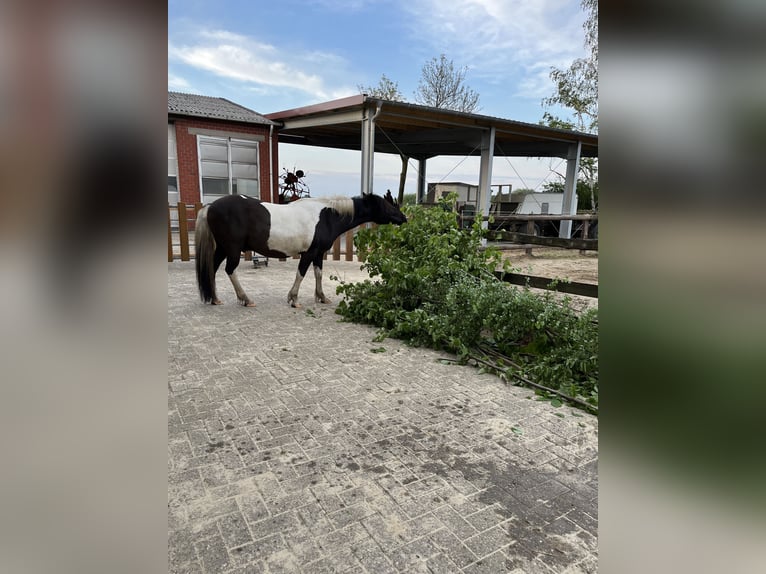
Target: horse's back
{"x": 238, "y": 220}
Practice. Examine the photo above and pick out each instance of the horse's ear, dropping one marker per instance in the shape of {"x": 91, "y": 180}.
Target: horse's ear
{"x": 390, "y": 199}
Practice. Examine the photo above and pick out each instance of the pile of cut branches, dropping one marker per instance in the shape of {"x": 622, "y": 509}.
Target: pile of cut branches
{"x": 432, "y": 285}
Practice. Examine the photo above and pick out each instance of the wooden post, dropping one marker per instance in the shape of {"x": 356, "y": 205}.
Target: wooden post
{"x": 170, "y": 238}
{"x": 585, "y": 230}
{"x": 350, "y": 245}
{"x": 248, "y": 255}
{"x": 183, "y": 231}
{"x": 530, "y": 231}
{"x": 336, "y": 249}
{"x": 197, "y": 208}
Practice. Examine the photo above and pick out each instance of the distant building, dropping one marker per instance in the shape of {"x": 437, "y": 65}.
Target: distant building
{"x": 217, "y": 148}
{"x": 468, "y": 196}
{"x": 466, "y": 192}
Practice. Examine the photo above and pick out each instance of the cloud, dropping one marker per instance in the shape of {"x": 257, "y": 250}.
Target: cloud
{"x": 509, "y": 38}
{"x": 262, "y": 66}
{"x": 178, "y": 83}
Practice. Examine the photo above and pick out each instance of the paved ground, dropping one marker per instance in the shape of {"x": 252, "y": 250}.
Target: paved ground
{"x": 292, "y": 447}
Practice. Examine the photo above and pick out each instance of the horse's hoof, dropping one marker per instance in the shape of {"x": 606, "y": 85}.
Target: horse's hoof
{"x": 216, "y": 302}
{"x": 324, "y": 300}
{"x": 249, "y": 304}
{"x": 296, "y": 305}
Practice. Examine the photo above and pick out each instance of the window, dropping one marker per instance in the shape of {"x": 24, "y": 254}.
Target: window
{"x": 227, "y": 166}
{"x": 545, "y": 207}
{"x": 172, "y": 165}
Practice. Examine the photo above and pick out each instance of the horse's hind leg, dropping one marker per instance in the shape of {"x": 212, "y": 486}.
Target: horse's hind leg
{"x": 318, "y": 292}
{"x": 232, "y": 260}
{"x": 218, "y": 258}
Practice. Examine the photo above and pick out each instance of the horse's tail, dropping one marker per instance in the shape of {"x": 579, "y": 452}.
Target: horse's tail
{"x": 204, "y": 245}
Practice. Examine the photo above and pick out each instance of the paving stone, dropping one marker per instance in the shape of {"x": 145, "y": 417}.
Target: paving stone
{"x": 491, "y": 564}
{"x": 452, "y": 547}
{"x": 293, "y": 448}
{"x": 454, "y": 522}
{"x": 441, "y": 564}
{"x": 257, "y": 551}
{"x": 212, "y": 554}
{"x": 374, "y": 560}
{"x": 234, "y": 530}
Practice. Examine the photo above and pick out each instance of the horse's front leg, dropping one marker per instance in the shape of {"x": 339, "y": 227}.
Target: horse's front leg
{"x": 318, "y": 292}
{"x": 303, "y": 266}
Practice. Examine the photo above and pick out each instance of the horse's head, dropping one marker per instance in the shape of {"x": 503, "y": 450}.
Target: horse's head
{"x": 383, "y": 210}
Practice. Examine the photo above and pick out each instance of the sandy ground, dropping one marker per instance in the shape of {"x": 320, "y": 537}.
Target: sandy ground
{"x": 556, "y": 263}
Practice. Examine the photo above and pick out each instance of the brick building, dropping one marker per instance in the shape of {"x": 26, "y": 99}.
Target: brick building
{"x": 217, "y": 148}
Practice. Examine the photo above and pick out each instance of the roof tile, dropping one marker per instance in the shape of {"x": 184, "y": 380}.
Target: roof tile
{"x": 210, "y": 107}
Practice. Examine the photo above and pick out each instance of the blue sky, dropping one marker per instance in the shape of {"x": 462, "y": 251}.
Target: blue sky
{"x": 279, "y": 54}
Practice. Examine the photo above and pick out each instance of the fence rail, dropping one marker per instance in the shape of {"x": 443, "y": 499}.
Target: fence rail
{"x": 529, "y": 238}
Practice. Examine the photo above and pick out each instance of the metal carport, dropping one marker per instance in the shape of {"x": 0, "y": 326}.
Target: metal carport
{"x": 373, "y": 125}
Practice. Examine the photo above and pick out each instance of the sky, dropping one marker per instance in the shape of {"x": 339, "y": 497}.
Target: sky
{"x": 273, "y": 55}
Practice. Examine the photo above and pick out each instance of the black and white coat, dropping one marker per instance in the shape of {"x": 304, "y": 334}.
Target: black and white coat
{"x": 307, "y": 227}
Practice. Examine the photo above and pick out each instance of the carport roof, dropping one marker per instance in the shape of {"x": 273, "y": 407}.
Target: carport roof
{"x": 422, "y": 132}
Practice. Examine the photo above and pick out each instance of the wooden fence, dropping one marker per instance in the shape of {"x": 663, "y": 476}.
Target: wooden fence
{"x": 181, "y": 223}
{"x": 529, "y": 238}
{"x": 182, "y": 219}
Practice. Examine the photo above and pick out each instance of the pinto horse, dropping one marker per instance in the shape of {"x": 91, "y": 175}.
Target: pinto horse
{"x": 306, "y": 227}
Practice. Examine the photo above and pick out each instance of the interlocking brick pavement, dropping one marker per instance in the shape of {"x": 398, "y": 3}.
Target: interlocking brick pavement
{"x": 294, "y": 448}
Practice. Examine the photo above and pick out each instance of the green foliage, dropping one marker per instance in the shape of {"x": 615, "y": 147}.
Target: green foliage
{"x": 576, "y": 91}
{"x": 432, "y": 285}
{"x": 386, "y": 89}
{"x": 577, "y": 86}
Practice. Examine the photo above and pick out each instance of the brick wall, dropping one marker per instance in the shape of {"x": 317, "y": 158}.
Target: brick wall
{"x": 188, "y": 164}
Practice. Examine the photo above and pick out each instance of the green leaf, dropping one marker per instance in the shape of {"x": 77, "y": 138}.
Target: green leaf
{"x": 556, "y": 403}
{"x": 378, "y": 350}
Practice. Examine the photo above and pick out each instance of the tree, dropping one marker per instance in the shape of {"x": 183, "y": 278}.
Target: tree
{"x": 577, "y": 90}
{"x": 385, "y": 90}
{"x": 442, "y": 86}
{"x": 577, "y": 86}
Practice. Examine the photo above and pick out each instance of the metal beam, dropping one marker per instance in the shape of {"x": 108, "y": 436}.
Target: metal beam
{"x": 336, "y": 118}
{"x": 485, "y": 172}
{"x": 569, "y": 202}
{"x": 421, "y": 193}
{"x": 368, "y": 149}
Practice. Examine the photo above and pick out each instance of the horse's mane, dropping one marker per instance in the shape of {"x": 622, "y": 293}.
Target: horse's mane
{"x": 343, "y": 205}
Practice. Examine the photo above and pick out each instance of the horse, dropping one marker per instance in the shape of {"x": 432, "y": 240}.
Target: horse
{"x": 306, "y": 227}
